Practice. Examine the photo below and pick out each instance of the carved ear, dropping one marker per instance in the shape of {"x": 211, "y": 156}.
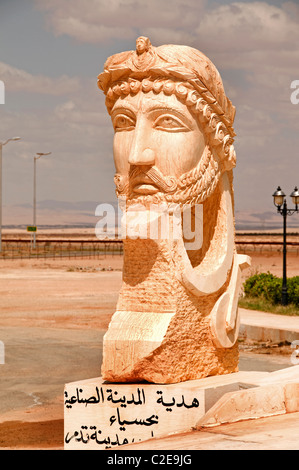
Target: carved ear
{"x": 224, "y": 317}
{"x": 217, "y": 268}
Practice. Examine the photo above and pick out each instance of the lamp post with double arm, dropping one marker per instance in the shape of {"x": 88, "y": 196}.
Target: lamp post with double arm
{"x": 282, "y": 208}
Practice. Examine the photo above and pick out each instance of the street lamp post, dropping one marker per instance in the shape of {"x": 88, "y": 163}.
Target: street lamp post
{"x": 36, "y": 157}
{"x": 282, "y": 208}
{"x": 2, "y": 145}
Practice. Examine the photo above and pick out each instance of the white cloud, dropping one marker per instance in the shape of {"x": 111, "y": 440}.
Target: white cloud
{"x": 19, "y": 80}
{"x": 255, "y": 46}
{"x": 259, "y": 38}
{"x": 76, "y": 128}
{"x": 235, "y": 27}
{"x": 81, "y": 144}
{"x": 247, "y": 27}
{"x": 121, "y": 19}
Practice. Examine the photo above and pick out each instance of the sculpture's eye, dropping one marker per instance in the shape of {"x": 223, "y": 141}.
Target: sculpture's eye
{"x": 170, "y": 123}
{"x": 122, "y": 122}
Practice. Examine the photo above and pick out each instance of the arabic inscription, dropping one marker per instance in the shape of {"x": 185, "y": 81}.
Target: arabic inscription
{"x": 103, "y": 416}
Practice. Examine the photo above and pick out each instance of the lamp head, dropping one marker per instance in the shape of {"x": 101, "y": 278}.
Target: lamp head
{"x": 10, "y": 140}
{"x": 41, "y": 154}
{"x": 295, "y": 196}
{"x": 278, "y": 197}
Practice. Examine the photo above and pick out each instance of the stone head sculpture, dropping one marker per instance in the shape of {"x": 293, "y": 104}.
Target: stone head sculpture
{"x": 176, "y": 316}
{"x": 193, "y": 108}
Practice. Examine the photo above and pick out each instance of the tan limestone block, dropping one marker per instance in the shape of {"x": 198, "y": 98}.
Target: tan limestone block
{"x": 258, "y": 402}
{"x": 176, "y": 317}
{"x": 292, "y": 397}
{"x": 102, "y": 415}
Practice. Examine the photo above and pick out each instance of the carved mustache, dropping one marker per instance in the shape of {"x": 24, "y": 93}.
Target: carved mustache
{"x": 152, "y": 175}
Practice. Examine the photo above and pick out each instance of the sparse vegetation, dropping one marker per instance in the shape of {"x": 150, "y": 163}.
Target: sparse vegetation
{"x": 263, "y": 292}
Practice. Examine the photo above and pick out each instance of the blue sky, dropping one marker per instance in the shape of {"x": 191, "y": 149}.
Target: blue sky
{"x": 52, "y": 51}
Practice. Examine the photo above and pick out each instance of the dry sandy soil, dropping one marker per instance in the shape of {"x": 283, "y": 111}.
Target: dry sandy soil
{"x": 52, "y": 320}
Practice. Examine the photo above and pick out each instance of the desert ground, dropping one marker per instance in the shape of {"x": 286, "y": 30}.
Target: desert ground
{"x": 54, "y": 313}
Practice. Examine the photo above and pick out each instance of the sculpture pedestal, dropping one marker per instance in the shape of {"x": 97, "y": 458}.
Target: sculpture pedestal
{"x": 102, "y": 415}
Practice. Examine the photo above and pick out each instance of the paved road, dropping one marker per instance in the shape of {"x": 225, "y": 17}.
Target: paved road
{"x": 41, "y": 357}
{"x": 273, "y": 433}
{"x": 39, "y": 361}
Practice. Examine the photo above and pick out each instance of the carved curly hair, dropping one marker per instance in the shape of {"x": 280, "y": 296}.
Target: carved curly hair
{"x": 185, "y": 72}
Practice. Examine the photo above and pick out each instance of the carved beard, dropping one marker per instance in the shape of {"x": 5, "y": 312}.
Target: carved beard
{"x": 191, "y": 188}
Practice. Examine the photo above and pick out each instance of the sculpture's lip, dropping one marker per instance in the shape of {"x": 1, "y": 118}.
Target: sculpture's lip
{"x": 143, "y": 184}
{"x": 145, "y": 188}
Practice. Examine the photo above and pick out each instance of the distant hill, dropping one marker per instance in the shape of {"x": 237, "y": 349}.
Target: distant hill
{"x": 52, "y": 213}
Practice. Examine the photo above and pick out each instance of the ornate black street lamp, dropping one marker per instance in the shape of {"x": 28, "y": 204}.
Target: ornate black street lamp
{"x": 282, "y": 208}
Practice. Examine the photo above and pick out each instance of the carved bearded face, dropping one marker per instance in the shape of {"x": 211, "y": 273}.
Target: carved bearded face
{"x": 157, "y": 141}
{"x": 173, "y": 123}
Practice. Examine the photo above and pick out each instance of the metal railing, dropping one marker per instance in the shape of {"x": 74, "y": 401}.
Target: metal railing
{"x": 266, "y": 246}
{"x": 60, "y": 248}
{"x": 55, "y": 249}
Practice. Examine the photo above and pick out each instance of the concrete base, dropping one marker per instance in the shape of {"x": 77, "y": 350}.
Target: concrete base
{"x": 275, "y": 335}
{"x": 260, "y": 326}
{"x": 102, "y": 415}
{"x": 276, "y": 393}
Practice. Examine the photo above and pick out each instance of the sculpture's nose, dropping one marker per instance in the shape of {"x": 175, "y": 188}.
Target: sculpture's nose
{"x": 142, "y": 157}
{"x": 140, "y": 154}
